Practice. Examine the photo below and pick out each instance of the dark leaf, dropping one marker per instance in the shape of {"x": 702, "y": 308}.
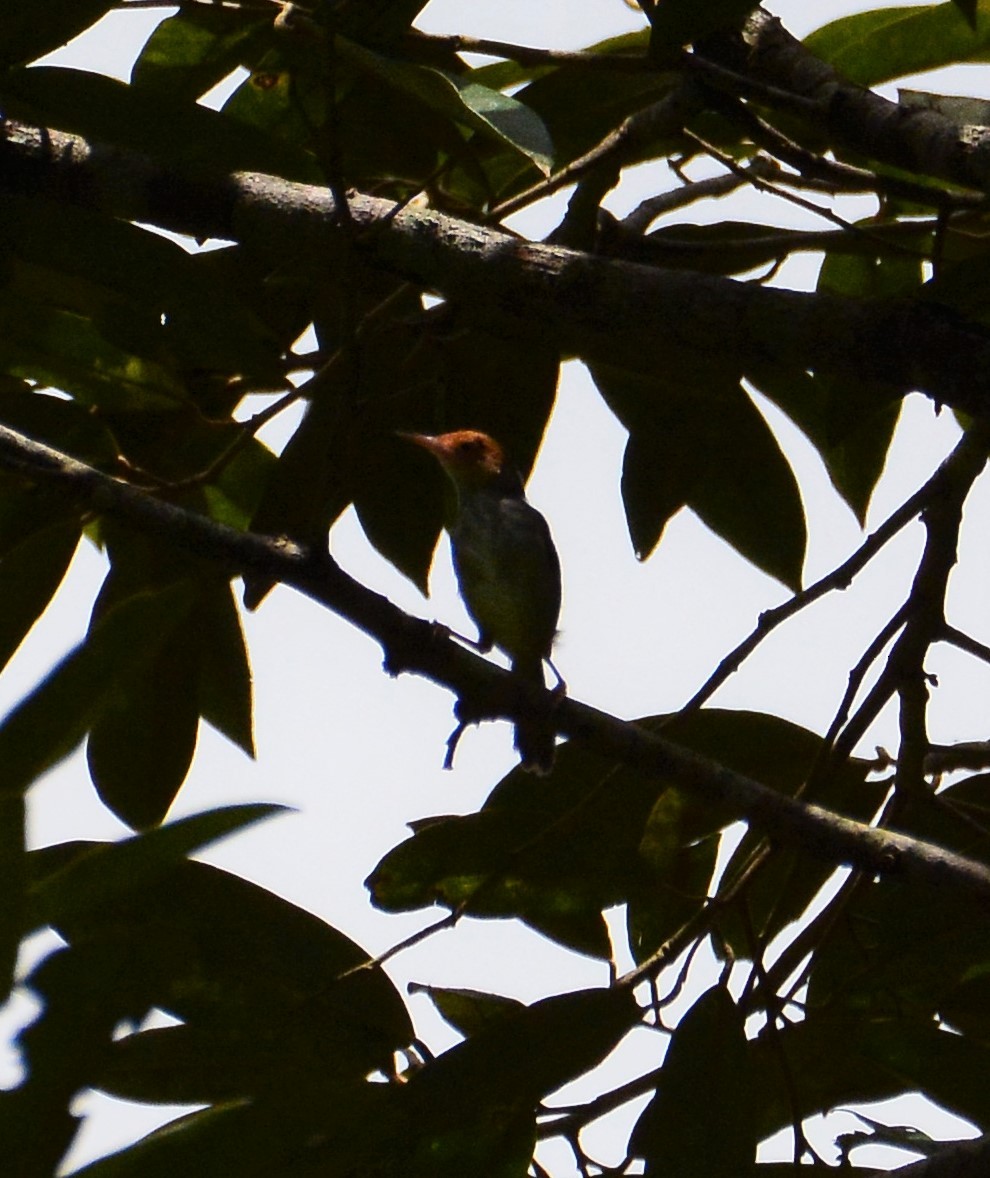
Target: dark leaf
{"x": 141, "y": 749}
{"x": 68, "y": 351}
{"x": 62, "y": 424}
{"x": 474, "y": 1105}
{"x": 269, "y": 985}
{"x": 30, "y": 574}
{"x": 224, "y": 683}
{"x": 375, "y": 22}
{"x": 579, "y": 108}
{"x": 697, "y": 440}
{"x": 469, "y": 1011}
{"x": 61, "y": 1051}
{"x": 700, "y": 1122}
{"x": 484, "y": 110}
{"x": 107, "y": 873}
{"x": 655, "y": 914}
{"x": 141, "y": 745}
{"x": 113, "y": 112}
{"x": 733, "y": 247}
{"x": 32, "y": 28}
{"x": 48, "y": 724}
{"x": 351, "y": 1135}
{"x": 190, "y": 52}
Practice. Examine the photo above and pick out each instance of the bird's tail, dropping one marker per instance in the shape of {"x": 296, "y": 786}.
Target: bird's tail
{"x": 535, "y": 737}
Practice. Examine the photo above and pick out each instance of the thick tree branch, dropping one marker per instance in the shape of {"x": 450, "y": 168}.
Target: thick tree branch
{"x": 414, "y": 645}
{"x": 856, "y": 118}
{"x": 604, "y": 310}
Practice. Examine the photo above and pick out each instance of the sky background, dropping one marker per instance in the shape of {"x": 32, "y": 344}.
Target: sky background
{"x": 359, "y": 755}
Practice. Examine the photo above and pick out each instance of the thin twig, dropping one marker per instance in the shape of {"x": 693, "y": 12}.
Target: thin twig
{"x": 766, "y": 186}
{"x": 964, "y": 642}
{"x": 840, "y": 741}
{"x": 528, "y": 55}
{"x": 647, "y": 211}
{"x": 772, "y": 1011}
{"x": 438, "y": 926}
{"x": 842, "y": 176}
{"x": 667, "y": 114}
{"x": 839, "y": 578}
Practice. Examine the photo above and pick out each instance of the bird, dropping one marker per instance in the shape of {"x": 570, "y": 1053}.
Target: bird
{"x": 507, "y": 568}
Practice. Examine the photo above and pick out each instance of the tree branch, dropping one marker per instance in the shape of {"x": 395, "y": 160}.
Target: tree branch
{"x": 415, "y": 645}
{"x": 857, "y": 119}
{"x": 603, "y": 310}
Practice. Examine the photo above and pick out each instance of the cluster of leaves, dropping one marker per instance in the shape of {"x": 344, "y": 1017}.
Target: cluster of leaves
{"x": 291, "y": 1047}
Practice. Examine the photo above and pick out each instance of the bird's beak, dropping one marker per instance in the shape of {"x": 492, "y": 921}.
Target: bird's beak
{"x": 425, "y": 441}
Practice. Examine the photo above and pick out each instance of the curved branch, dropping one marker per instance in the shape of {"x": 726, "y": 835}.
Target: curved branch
{"x": 415, "y": 645}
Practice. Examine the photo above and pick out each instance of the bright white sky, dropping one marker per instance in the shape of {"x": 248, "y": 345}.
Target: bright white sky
{"x": 359, "y": 755}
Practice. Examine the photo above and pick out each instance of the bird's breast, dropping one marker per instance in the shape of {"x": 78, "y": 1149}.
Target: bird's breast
{"x": 508, "y": 573}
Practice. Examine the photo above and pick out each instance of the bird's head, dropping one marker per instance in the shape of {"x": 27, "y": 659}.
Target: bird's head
{"x": 472, "y": 459}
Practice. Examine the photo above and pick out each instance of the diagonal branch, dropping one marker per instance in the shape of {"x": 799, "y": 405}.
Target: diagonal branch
{"x": 604, "y": 310}
{"x": 414, "y": 645}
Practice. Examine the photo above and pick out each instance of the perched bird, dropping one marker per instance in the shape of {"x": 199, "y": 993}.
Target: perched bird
{"x": 506, "y": 565}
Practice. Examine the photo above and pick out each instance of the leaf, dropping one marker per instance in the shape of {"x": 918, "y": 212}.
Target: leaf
{"x": 135, "y": 291}
{"x": 376, "y": 22}
{"x": 501, "y": 75}
{"x": 30, "y": 574}
{"x": 190, "y": 52}
{"x": 48, "y": 724}
{"x": 353, "y": 1133}
{"x": 654, "y": 915}
{"x": 224, "y": 682}
{"x": 473, "y": 1106}
{"x": 886, "y": 43}
{"x": 62, "y": 424}
{"x": 186, "y": 133}
{"x": 108, "y": 872}
{"x": 273, "y": 988}
{"x": 141, "y": 746}
{"x": 32, "y": 28}
{"x": 476, "y": 863}
{"x": 700, "y": 1122}
{"x": 579, "y": 110}
{"x": 68, "y": 351}
{"x": 705, "y": 446}
{"x": 469, "y": 1011}
{"x": 476, "y": 106}
{"x": 59, "y": 1049}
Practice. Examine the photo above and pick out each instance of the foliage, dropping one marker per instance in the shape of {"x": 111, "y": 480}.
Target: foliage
{"x": 126, "y": 352}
